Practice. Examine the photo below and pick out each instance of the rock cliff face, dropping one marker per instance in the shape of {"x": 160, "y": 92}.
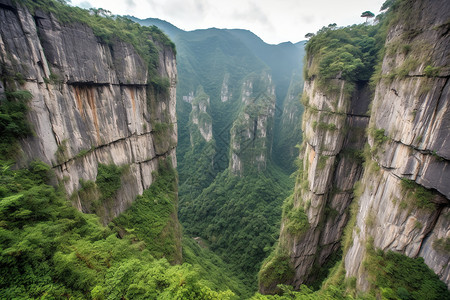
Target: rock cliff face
{"x": 333, "y": 129}
{"x": 401, "y": 201}
{"x": 200, "y": 117}
{"x": 251, "y": 133}
{"x": 91, "y": 102}
{"x": 408, "y": 194}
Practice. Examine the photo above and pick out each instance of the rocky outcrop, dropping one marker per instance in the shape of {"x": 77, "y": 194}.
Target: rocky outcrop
{"x": 91, "y": 102}
{"x": 251, "y": 133}
{"x": 333, "y": 127}
{"x": 401, "y": 202}
{"x": 225, "y": 92}
{"x": 408, "y": 194}
{"x": 200, "y": 117}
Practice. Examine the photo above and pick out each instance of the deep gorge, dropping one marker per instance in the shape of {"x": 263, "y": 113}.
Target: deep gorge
{"x": 208, "y": 164}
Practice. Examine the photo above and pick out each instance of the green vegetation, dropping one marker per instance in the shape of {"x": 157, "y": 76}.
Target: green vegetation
{"x": 152, "y": 216}
{"x": 108, "y": 179}
{"x": 161, "y": 132}
{"x": 238, "y": 217}
{"x": 431, "y": 71}
{"x": 379, "y": 137}
{"x": 199, "y": 157}
{"x": 211, "y": 267}
{"x": 97, "y": 197}
{"x": 420, "y": 196}
{"x": 61, "y": 152}
{"x": 13, "y": 121}
{"x": 50, "y": 250}
{"x": 84, "y": 152}
{"x": 389, "y": 279}
{"x": 442, "y": 245}
{"x": 348, "y": 53}
{"x": 295, "y": 217}
{"x": 161, "y": 84}
{"x": 324, "y": 126}
{"x": 275, "y": 269}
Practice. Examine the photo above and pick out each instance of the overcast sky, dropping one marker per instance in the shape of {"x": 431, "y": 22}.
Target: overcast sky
{"x": 274, "y": 21}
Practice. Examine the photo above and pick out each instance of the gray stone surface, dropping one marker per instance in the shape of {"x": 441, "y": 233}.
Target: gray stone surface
{"x": 251, "y": 134}
{"x": 91, "y": 102}
{"x": 332, "y": 167}
{"x": 414, "y": 112}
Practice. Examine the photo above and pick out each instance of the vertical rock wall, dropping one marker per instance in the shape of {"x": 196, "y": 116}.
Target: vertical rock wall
{"x": 333, "y": 128}
{"x": 403, "y": 198}
{"x": 91, "y": 102}
{"x": 251, "y": 133}
{"x": 406, "y": 192}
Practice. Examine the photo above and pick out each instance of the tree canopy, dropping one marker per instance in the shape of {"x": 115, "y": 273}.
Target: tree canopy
{"x": 367, "y": 14}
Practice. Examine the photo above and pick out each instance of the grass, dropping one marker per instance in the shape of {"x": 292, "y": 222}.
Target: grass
{"x": 296, "y": 219}
{"x": 152, "y": 216}
{"x": 418, "y": 195}
{"x": 322, "y": 162}
{"x": 379, "y": 136}
{"x": 61, "y": 152}
{"x": 396, "y": 276}
{"x": 442, "y": 245}
{"x": 275, "y": 269}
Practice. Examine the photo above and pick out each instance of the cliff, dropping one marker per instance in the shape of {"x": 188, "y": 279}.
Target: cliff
{"x": 407, "y": 189}
{"x": 97, "y": 100}
{"x": 398, "y": 200}
{"x": 251, "y": 133}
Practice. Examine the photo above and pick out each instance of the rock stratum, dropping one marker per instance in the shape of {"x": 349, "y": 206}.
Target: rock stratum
{"x": 93, "y": 102}
{"x": 375, "y": 162}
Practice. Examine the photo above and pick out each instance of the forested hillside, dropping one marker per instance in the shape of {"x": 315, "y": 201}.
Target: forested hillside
{"x": 239, "y": 121}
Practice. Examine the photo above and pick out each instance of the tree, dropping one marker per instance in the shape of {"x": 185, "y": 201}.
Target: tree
{"x": 367, "y": 14}
{"x": 309, "y": 35}
{"x": 332, "y": 25}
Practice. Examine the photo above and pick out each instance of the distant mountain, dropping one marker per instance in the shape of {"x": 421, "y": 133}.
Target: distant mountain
{"x": 207, "y": 57}
{"x": 165, "y": 26}
{"x": 238, "y": 113}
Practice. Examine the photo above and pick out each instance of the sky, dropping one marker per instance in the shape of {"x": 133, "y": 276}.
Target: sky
{"x": 275, "y": 21}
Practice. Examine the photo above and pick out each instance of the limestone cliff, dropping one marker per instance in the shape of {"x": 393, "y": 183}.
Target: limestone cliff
{"x": 406, "y": 192}
{"x": 93, "y": 102}
{"x": 251, "y": 133}
{"x": 200, "y": 116}
{"x": 399, "y": 197}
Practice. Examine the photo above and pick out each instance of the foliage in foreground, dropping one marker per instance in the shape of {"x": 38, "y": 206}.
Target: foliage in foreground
{"x": 152, "y": 216}
{"x": 13, "y": 124}
{"x": 50, "y": 250}
{"x": 396, "y": 276}
{"x": 211, "y": 267}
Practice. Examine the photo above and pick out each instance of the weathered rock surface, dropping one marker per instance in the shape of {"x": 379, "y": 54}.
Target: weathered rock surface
{"x": 333, "y": 138}
{"x": 200, "y": 116}
{"x": 251, "y": 133}
{"x": 403, "y": 197}
{"x": 91, "y": 102}
{"x": 413, "y": 112}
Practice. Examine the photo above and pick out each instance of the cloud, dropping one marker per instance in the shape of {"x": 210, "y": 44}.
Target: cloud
{"x": 273, "y": 21}
{"x": 85, "y": 4}
{"x": 130, "y": 3}
{"x": 308, "y": 19}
